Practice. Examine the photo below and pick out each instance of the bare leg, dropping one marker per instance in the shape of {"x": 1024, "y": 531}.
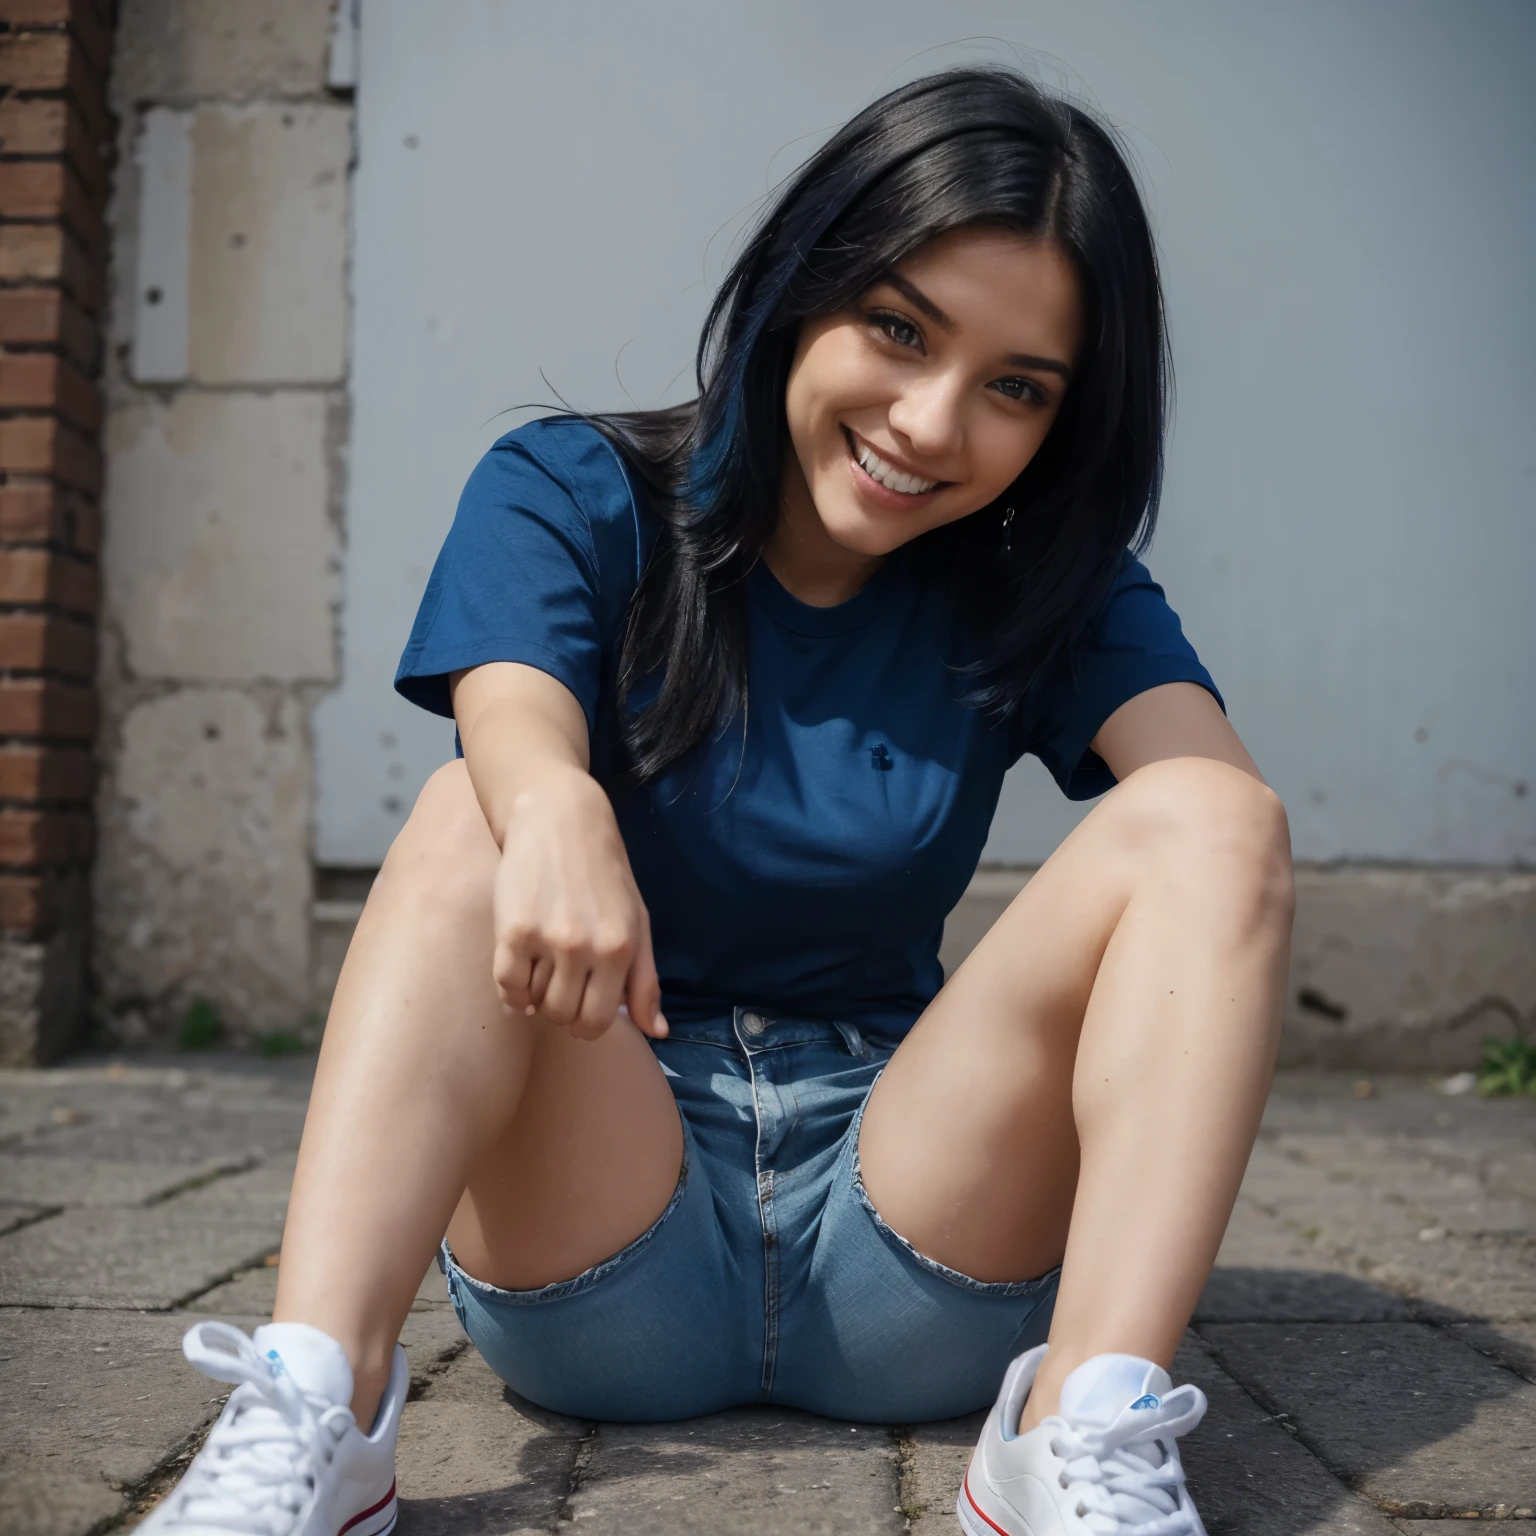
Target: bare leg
{"x": 1107, "y": 1050}
{"x": 419, "y": 1096}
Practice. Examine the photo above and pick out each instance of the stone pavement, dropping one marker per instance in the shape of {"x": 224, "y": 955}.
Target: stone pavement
{"x": 1368, "y": 1342}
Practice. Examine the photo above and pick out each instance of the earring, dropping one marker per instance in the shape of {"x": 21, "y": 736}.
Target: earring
{"x": 1007, "y": 530}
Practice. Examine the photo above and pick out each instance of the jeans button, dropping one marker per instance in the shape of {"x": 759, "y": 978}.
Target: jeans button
{"x": 753, "y": 1023}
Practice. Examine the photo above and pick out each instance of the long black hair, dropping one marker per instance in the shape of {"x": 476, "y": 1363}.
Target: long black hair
{"x": 966, "y": 147}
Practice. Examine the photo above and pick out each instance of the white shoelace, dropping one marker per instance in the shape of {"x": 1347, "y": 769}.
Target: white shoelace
{"x": 1127, "y": 1478}
{"x": 262, "y": 1458}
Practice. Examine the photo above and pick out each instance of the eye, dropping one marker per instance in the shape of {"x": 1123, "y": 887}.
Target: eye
{"x": 1019, "y": 388}
{"x": 897, "y": 327}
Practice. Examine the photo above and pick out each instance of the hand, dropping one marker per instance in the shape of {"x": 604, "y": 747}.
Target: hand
{"x": 573, "y": 938}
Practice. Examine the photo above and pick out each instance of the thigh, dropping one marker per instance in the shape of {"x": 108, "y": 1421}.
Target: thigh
{"x": 586, "y": 1146}
{"x": 969, "y": 1145}
{"x": 657, "y": 1330}
{"x": 875, "y": 1330}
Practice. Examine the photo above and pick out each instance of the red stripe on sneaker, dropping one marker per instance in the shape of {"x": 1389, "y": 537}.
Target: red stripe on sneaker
{"x": 977, "y": 1507}
{"x": 374, "y": 1509}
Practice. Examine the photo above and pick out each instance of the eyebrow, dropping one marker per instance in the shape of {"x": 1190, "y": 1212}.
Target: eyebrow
{"x": 920, "y": 300}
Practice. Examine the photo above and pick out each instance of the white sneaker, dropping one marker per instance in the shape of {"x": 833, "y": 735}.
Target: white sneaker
{"x": 1105, "y": 1464}
{"x": 285, "y": 1457}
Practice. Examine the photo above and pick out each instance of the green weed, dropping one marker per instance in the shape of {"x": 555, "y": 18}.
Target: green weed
{"x": 201, "y": 1028}
{"x": 1508, "y": 1067}
{"x": 281, "y": 1042}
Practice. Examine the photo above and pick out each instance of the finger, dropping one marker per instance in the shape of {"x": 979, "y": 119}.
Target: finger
{"x": 538, "y": 982}
{"x": 561, "y": 1000}
{"x": 600, "y": 1001}
{"x": 513, "y": 974}
{"x": 642, "y": 991}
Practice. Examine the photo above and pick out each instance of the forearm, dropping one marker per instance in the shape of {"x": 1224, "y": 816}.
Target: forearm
{"x": 525, "y": 741}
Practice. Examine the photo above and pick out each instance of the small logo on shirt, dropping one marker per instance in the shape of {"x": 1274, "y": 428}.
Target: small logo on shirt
{"x": 880, "y": 757}
{"x": 1149, "y": 1401}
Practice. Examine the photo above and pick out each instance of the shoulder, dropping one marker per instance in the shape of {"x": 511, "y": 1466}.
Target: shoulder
{"x": 577, "y": 457}
{"x": 561, "y": 469}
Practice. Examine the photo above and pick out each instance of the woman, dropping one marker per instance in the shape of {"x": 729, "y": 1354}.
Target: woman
{"x": 645, "y": 1008}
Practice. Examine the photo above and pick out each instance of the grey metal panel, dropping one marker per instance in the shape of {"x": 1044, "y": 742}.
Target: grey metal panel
{"x": 1346, "y": 208}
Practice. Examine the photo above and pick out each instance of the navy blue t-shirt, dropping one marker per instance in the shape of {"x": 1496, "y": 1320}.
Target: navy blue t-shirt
{"x": 805, "y": 860}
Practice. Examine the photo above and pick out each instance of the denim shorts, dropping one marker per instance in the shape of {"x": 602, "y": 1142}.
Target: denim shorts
{"x": 769, "y": 1277}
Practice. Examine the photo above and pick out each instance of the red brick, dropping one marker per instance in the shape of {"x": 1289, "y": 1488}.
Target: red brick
{"x": 30, "y": 838}
{"x": 47, "y": 642}
{"x": 42, "y": 513}
{"x": 49, "y": 189}
{"x": 46, "y": 773}
{"x": 39, "y": 381}
{"x": 40, "y": 445}
{"x": 83, "y": 18}
{"x": 41, "y": 576}
{"x": 48, "y": 253}
{"x": 52, "y": 125}
{"x": 35, "y": 63}
{"x": 33, "y": 126}
{"x": 28, "y": 906}
{"x": 49, "y": 61}
{"x": 43, "y": 317}
{"x": 33, "y": 706}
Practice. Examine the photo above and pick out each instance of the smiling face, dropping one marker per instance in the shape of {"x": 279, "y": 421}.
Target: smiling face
{"x": 920, "y": 403}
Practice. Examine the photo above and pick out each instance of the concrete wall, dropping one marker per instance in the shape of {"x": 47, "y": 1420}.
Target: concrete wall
{"x": 225, "y": 437}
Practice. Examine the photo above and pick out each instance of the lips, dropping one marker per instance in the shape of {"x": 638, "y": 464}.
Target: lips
{"x": 885, "y": 474}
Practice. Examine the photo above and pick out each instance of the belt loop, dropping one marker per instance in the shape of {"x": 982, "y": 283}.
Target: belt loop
{"x": 857, "y": 1046}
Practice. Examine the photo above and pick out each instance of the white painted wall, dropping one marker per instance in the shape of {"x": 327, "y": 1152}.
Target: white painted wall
{"x": 1347, "y": 212}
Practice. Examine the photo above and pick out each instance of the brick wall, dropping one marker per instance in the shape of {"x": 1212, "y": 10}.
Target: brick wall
{"x": 55, "y": 154}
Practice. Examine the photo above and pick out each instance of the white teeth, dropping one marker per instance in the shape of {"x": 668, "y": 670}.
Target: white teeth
{"x": 888, "y": 475}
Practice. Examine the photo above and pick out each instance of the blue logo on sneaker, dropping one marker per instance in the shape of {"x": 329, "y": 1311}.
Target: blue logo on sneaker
{"x": 277, "y": 1368}
{"x": 1149, "y": 1401}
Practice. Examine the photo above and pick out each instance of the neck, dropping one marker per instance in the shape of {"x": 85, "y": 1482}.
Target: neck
{"x": 807, "y": 562}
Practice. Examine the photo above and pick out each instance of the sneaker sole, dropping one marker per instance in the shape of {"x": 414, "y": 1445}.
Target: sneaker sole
{"x": 972, "y": 1521}
{"x": 377, "y": 1520}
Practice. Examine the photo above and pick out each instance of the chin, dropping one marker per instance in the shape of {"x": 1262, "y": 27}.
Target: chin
{"x": 860, "y": 535}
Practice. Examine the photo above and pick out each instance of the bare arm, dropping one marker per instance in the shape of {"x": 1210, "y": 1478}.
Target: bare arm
{"x": 1175, "y": 720}
{"x": 573, "y": 938}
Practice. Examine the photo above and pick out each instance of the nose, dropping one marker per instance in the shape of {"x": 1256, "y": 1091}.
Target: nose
{"x": 928, "y": 415}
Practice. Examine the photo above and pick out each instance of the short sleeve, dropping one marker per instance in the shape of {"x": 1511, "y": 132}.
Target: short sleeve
{"x": 1137, "y": 643}
{"x": 538, "y": 568}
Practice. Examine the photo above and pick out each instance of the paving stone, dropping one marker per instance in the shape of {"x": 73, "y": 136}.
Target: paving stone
{"x": 933, "y": 1462}
{"x": 43, "y": 1503}
{"x": 1513, "y": 1345}
{"x": 93, "y": 1403}
{"x": 761, "y": 1471}
{"x": 1435, "y": 1179}
{"x": 1267, "y": 1270}
{"x": 1323, "y": 1101}
{"x": 1402, "y": 1412}
{"x": 149, "y": 1258}
{"x": 1491, "y": 1278}
{"x": 252, "y": 1293}
{"x": 473, "y": 1459}
{"x": 45, "y": 1180}
{"x": 1249, "y": 1477}
{"x": 17, "y": 1213}
{"x": 1398, "y": 1246}
{"x": 161, "y": 1117}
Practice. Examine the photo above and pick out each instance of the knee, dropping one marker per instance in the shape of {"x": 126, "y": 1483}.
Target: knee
{"x": 444, "y": 858}
{"x": 1214, "y": 829}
